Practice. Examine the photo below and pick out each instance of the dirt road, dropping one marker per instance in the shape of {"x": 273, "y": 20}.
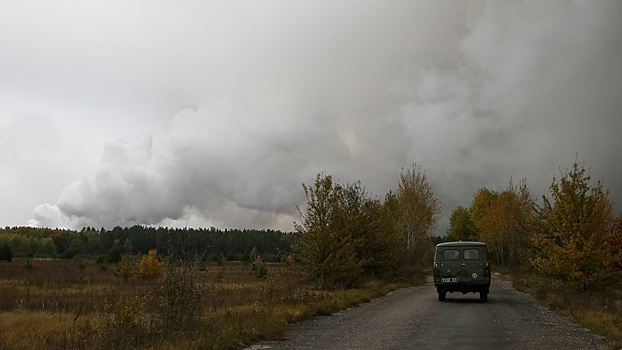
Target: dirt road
{"x": 413, "y": 318}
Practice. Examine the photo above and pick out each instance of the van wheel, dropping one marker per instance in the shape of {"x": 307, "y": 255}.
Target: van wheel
{"x": 441, "y": 296}
{"x": 483, "y": 297}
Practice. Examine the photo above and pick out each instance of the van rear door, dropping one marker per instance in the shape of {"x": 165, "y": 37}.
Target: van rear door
{"x": 451, "y": 264}
{"x": 472, "y": 264}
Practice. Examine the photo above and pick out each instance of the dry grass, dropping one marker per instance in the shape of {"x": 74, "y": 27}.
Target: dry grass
{"x": 599, "y": 310}
{"x": 67, "y": 304}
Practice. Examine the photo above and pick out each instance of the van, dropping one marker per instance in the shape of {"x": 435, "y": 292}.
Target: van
{"x": 462, "y": 267}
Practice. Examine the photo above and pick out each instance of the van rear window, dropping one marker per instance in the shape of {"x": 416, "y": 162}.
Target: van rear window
{"x": 451, "y": 254}
{"x": 471, "y": 254}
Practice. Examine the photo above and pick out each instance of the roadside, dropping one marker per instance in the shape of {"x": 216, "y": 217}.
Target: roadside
{"x": 599, "y": 311}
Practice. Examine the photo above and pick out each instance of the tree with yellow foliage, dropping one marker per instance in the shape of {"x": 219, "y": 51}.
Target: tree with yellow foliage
{"x": 503, "y": 221}
{"x": 572, "y": 238}
{"x": 149, "y": 266}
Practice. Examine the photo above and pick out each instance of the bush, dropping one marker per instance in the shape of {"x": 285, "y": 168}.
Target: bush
{"x": 126, "y": 269}
{"x": 178, "y": 299}
{"x": 149, "y": 266}
{"x": 259, "y": 268}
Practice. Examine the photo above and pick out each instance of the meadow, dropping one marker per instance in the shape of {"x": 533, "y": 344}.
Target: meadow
{"x": 79, "y": 304}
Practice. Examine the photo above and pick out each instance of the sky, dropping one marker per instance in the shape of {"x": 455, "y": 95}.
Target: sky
{"x": 214, "y": 113}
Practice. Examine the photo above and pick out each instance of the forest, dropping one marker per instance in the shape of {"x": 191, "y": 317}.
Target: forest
{"x": 210, "y": 244}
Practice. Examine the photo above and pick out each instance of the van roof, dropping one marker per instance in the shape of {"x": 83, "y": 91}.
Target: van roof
{"x": 460, "y": 243}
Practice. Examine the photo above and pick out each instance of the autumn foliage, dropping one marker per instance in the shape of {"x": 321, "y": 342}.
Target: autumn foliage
{"x": 149, "y": 266}
{"x": 575, "y": 238}
{"x": 500, "y": 219}
{"x": 504, "y": 224}
{"x": 345, "y": 235}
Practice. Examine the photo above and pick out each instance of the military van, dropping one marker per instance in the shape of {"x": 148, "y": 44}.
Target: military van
{"x": 462, "y": 267}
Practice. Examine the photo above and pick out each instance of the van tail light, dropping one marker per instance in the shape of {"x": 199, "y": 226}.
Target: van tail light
{"x": 487, "y": 271}
{"x": 436, "y": 273}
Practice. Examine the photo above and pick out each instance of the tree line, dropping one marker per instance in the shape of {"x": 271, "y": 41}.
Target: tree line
{"x": 172, "y": 243}
{"x": 573, "y": 235}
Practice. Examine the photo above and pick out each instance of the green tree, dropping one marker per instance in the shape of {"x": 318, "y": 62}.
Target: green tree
{"x": 77, "y": 247}
{"x": 127, "y": 247}
{"x": 345, "y": 235}
{"x": 574, "y": 231}
{"x": 114, "y": 255}
{"x": 6, "y": 253}
{"x": 324, "y": 247}
{"x": 47, "y": 249}
{"x": 32, "y": 246}
{"x": 93, "y": 242}
{"x": 461, "y": 226}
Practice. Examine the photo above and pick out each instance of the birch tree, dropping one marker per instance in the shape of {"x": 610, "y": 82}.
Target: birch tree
{"x": 420, "y": 210}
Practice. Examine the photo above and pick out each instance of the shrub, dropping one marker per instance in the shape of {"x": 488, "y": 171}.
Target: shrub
{"x": 149, "y": 266}
{"x": 126, "y": 269}
{"x": 178, "y": 299}
{"x": 259, "y": 267}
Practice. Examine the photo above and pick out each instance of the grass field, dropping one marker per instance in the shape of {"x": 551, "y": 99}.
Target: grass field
{"x": 74, "y": 304}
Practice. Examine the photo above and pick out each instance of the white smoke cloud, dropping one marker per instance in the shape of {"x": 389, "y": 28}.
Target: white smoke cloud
{"x": 475, "y": 92}
{"x": 537, "y": 83}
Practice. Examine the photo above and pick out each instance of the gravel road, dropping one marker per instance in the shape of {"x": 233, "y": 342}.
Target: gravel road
{"x": 413, "y": 318}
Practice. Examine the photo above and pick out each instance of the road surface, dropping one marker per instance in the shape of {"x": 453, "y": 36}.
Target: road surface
{"x": 413, "y": 318}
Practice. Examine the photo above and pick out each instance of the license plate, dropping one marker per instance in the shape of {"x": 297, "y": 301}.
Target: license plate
{"x": 449, "y": 279}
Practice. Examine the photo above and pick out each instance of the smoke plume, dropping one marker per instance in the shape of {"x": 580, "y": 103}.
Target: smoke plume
{"x": 476, "y": 93}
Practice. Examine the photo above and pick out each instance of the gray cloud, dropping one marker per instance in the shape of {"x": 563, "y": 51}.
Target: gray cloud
{"x": 239, "y": 105}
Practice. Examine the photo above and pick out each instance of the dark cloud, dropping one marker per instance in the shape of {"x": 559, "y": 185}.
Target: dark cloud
{"x": 268, "y": 95}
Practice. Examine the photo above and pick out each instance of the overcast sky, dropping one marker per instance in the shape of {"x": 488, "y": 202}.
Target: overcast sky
{"x": 199, "y": 113}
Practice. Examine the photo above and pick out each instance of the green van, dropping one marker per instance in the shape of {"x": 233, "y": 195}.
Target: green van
{"x": 462, "y": 267}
